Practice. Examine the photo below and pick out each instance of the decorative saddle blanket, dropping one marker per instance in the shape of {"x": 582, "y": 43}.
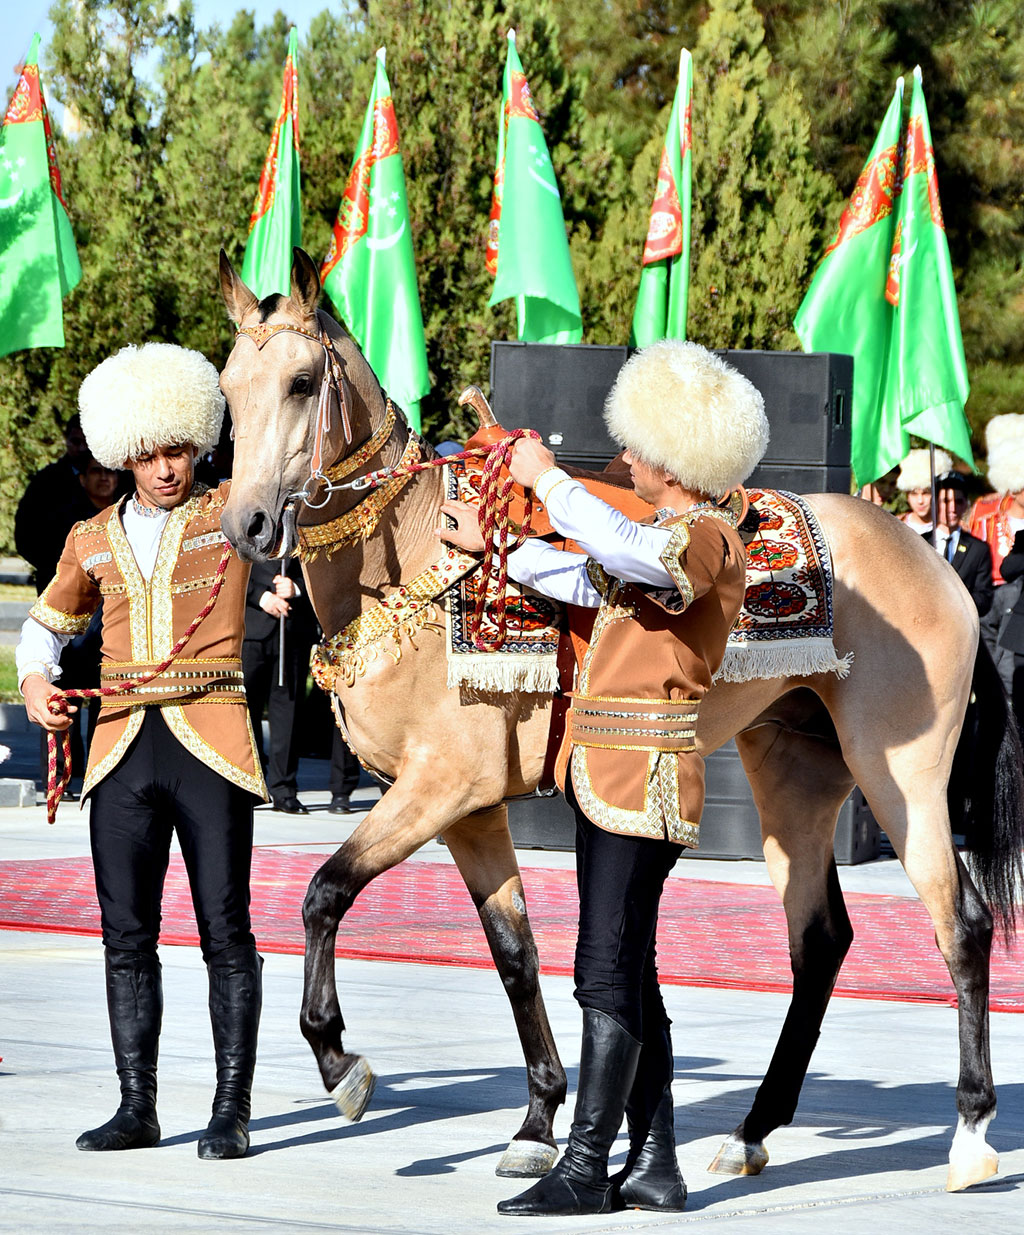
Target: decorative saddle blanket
{"x": 534, "y": 623}
{"x": 785, "y": 627}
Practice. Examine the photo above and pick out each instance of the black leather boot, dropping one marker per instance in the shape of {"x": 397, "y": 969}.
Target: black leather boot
{"x": 651, "y": 1178}
{"x": 135, "y": 1005}
{"x": 579, "y": 1183}
{"x": 236, "y": 997}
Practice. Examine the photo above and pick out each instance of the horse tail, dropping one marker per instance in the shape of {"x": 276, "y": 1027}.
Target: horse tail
{"x": 986, "y": 792}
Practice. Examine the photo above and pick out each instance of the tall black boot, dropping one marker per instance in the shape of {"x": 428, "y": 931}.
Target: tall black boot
{"x": 651, "y": 1178}
{"x": 135, "y": 1004}
{"x": 236, "y": 997}
{"x": 579, "y": 1183}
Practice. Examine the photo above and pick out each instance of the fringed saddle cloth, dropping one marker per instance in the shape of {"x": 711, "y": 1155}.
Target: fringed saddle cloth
{"x": 785, "y": 628}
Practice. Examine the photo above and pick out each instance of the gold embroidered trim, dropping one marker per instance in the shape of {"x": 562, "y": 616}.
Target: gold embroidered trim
{"x": 135, "y": 585}
{"x": 58, "y": 621}
{"x": 179, "y": 725}
{"x": 161, "y": 599}
{"x": 677, "y": 716}
{"x": 234, "y": 674}
{"x": 345, "y": 467}
{"x": 660, "y": 816}
{"x": 200, "y": 542}
{"x": 95, "y": 772}
{"x": 361, "y": 521}
{"x": 192, "y": 585}
{"x": 585, "y": 727}
{"x": 407, "y": 610}
{"x": 678, "y": 543}
{"x": 663, "y": 703}
{"x": 116, "y": 701}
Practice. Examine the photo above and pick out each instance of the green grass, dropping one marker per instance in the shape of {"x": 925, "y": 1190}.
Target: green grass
{"x": 8, "y": 677}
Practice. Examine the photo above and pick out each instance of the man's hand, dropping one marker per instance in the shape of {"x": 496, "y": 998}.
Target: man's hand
{"x": 283, "y": 586}
{"x": 466, "y": 533}
{"x": 530, "y": 457}
{"x": 275, "y": 605}
{"x": 36, "y": 690}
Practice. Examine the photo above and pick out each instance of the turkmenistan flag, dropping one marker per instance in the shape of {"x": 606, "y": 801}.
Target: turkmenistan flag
{"x": 527, "y": 248}
{"x": 927, "y": 377}
{"x": 38, "y": 259}
{"x": 370, "y": 271}
{"x": 660, "y": 311}
{"x": 275, "y": 225}
{"x": 845, "y": 309}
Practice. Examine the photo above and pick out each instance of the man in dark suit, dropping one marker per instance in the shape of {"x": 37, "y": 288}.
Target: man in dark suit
{"x": 970, "y": 557}
{"x": 274, "y": 593}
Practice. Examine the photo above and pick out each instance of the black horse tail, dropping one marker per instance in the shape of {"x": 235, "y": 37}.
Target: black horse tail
{"x": 986, "y": 793}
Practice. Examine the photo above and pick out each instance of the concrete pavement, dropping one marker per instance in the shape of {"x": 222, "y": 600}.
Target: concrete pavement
{"x": 867, "y": 1151}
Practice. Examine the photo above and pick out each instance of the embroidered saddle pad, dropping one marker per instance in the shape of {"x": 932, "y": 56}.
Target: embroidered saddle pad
{"x": 785, "y": 627}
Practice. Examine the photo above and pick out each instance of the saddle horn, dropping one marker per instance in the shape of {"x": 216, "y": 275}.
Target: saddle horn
{"x": 475, "y": 397}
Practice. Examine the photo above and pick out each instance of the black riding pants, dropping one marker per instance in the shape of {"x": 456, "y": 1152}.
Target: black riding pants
{"x": 159, "y": 788}
{"x": 620, "y": 881}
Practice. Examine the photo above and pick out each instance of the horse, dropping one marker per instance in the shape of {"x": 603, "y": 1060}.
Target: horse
{"x": 453, "y": 758}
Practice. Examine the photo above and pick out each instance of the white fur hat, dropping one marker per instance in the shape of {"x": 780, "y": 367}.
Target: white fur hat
{"x": 677, "y": 406}
{"x": 915, "y": 470}
{"x": 158, "y": 394}
{"x": 1004, "y": 437}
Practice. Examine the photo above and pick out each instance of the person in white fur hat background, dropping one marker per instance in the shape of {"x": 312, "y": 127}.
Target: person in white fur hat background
{"x": 667, "y": 593}
{"x": 914, "y": 479}
{"x": 175, "y": 755}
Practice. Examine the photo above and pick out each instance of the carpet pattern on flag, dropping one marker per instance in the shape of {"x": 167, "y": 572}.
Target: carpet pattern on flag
{"x": 724, "y": 935}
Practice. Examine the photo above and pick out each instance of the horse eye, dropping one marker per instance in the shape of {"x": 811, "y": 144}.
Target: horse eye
{"x": 301, "y": 385}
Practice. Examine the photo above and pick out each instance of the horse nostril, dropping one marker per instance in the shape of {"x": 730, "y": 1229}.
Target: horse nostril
{"x": 259, "y": 530}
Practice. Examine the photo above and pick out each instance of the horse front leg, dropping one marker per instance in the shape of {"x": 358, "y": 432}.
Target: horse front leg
{"x": 404, "y": 819}
{"x": 484, "y": 854}
{"x": 799, "y": 783}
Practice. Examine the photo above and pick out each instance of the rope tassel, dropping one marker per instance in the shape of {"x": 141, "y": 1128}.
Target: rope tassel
{"x": 57, "y": 704}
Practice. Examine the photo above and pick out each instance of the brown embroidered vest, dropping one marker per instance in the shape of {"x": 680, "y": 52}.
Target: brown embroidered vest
{"x": 652, "y": 655}
{"x": 202, "y": 695}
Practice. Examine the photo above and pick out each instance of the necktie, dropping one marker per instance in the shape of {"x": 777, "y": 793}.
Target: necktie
{"x": 950, "y": 546}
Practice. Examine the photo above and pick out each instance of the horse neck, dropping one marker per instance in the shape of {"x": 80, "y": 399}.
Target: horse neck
{"x": 404, "y": 543}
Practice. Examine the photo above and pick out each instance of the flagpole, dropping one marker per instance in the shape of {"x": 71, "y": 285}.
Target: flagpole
{"x": 935, "y": 495}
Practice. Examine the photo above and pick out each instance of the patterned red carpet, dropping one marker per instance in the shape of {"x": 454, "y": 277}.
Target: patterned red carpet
{"x": 712, "y": 934}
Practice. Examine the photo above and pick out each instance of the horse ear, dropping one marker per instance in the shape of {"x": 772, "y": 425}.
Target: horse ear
{"x": 305, "y": 281}
{"x": 238, "y": 299}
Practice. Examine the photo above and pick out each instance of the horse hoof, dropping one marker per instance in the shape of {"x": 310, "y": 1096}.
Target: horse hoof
{"x": 353, "y": 1092}
{"x": 738, "y": 1157}
{"x": 971, "y": 1158}
{"x": 526, "y": 1160}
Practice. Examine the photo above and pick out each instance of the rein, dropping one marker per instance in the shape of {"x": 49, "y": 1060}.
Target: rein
{"x": 57, "y": 704}
{"x": 495, "y": 494}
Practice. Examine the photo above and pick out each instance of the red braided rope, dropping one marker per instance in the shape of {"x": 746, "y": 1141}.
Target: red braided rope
{"x": 495, "y": 499}
{"x": 57, "y": 704}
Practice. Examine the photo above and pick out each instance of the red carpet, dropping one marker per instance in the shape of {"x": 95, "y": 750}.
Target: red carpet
{"x": 712, "y": 934}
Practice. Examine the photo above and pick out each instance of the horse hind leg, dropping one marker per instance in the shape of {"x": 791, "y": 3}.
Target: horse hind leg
{"x": 483, "y": 852}
{"x": 799, "y": 784}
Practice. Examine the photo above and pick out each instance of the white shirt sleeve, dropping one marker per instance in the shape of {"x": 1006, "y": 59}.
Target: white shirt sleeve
{"x": 555, "y": 573}
{"x": 38, "y": 651}
{"x": 627, "y": 550}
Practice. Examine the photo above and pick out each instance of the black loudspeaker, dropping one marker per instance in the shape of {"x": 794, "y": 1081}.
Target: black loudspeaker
{"x": 729, "y": 826}
{"x": 561, "y": 392}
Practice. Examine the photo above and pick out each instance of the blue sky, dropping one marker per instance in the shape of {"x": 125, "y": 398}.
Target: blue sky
{"x": 19, "y": 20}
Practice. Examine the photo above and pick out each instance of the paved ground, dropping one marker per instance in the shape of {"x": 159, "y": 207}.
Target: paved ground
{"x": 866, "y": 1153}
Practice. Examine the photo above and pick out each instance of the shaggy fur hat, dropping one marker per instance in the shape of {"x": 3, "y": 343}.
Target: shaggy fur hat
{"x": 677, "y": 406}
{"x": 1004, "y": 437}
{"x": 916, "y": 472}
{"x": 143, "y": 397}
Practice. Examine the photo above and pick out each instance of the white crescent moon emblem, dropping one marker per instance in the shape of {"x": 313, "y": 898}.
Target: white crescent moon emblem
{"x": 9, "y": 201}
{"x": 385, "y": 242}
{"x": 551, "y": 188}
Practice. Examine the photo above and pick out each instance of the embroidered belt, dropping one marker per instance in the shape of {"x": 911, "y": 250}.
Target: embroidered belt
{"x": 192, "y": 681}
{"x": 608, "y": 722}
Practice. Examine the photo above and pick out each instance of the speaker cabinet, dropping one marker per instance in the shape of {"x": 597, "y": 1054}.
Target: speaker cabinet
{"x": 561, "y": 392}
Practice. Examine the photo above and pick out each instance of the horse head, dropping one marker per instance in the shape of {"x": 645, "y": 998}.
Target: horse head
{"x": 291, "y": 365}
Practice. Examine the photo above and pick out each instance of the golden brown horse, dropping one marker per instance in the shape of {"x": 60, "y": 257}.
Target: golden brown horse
{"x": 892, "y": 726}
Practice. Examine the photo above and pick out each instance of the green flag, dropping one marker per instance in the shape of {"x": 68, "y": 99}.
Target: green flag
{"x": 527, "y": 248}
{"x": 660, "y": 311}
{"x": 927, "y": 379}
{"x": 276, "y": 222}
{"x": 38, "y": 259}
{"x": 845, "y": 309}
{"x": 370, "y": 271}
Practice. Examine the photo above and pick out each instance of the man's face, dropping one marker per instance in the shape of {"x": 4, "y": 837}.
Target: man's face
{"x": 76, "y": 447}
{"x": 99, "y": 482}
{"x": 920, "y": 502}
{"x": 648, "y": 481}
{"x": 952, "y": 504}
{"x": 164, "y": 477}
